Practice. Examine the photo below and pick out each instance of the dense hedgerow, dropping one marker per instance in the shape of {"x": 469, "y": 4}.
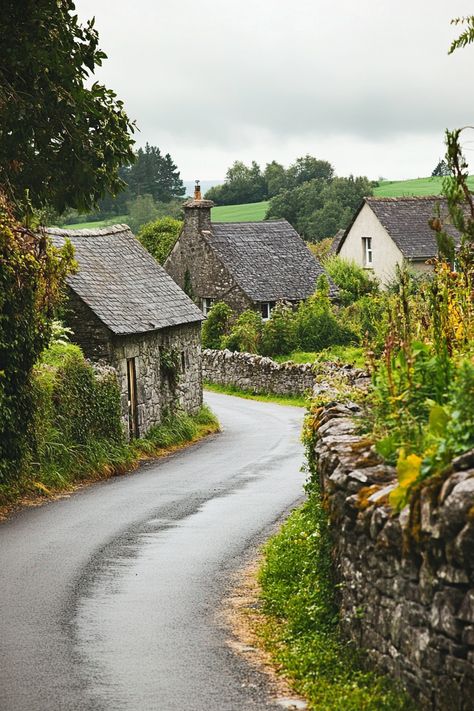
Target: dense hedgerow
{"x": 32, "y": 274}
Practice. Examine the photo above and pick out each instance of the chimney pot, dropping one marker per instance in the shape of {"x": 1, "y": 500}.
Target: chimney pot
{"x": 197, "y": 191}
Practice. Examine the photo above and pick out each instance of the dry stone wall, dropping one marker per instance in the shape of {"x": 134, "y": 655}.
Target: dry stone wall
{"x": 258, "y": 374}
{"x": 406, "y": 580}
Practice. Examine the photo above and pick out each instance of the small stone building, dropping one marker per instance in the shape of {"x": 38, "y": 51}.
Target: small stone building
{"x": 246, "y": 264}
{"x": 125, "y": 310}
{"x": 388, "y": 231}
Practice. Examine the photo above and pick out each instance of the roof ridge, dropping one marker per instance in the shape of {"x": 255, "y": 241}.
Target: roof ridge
{"x": 397, "y": 198}
{"x": 88, "y": 232}
{"x": 249, "y": 222}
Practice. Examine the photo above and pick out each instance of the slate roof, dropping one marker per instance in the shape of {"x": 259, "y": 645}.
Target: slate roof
{"x": 268, "y": 259}
{"x": 122, "y": 283}
{"x": 407, "y": 221}
{"x": 335, "y": 242}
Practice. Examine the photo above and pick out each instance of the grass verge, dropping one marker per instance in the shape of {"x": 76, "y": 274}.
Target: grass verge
{"x": 68, "y": 468}
{"x": 300, "y": 628}
{"x": 293, "y": 400}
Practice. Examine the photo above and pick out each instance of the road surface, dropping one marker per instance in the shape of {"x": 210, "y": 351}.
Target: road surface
{"x": 108, "y": 598}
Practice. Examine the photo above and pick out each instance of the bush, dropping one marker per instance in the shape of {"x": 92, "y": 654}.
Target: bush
{"x": 246, "y": 333}
{"x": 159, "y": 237}
{"x": 32, "y": 274}
{"x": 353, "y": 281}
{"x": 317, "y": 326}
{"x": 279, "y": 332}
{"x": 216, "y": 325}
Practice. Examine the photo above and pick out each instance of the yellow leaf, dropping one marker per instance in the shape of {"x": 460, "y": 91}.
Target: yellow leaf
{"x": 408, "y": 469}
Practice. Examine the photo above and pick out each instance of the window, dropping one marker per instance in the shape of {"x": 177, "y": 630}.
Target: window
{"x": 367, "y": 246}
{"x": 206, "y": 305}
{"x": 266, "y": 309}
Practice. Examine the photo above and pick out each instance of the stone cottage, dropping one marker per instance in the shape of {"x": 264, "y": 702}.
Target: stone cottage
{"x": 125, "y": 310}
{"x": 388, "y": 231}
{"x": 245, "y": 264}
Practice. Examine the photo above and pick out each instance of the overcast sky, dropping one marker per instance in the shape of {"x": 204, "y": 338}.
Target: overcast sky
{"x": 365, "y": 84}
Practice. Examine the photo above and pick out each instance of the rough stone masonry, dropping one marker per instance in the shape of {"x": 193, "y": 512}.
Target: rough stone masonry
{"x": 406, "y": 580}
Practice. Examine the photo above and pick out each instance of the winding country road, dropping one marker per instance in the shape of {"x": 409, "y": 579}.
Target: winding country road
{"x": 108, "y": 598}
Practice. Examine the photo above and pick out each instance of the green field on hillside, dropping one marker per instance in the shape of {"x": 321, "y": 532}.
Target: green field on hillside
{"x": 419, "y": 186}
{"x": 119, "y": 220}
{"x": 251, "y": 212}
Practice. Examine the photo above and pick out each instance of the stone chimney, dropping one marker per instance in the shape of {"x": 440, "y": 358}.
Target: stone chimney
{"x": 197, "y": 212}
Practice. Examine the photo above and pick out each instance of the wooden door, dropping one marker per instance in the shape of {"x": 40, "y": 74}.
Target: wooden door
{"x": 132, "y": 399}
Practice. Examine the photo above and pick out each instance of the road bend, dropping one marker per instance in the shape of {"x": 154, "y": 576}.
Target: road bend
{"x": 108, "y": 598}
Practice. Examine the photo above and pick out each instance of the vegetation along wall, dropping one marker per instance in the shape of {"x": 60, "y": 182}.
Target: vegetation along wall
{"x": 258, "y": 374}
{"x": 406, "y": 580}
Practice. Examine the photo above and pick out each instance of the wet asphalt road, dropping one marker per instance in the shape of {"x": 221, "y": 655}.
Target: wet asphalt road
{"x": 108, "y": 598}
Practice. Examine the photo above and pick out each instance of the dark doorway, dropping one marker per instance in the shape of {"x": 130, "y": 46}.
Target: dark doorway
{"x": 132, "y": 399}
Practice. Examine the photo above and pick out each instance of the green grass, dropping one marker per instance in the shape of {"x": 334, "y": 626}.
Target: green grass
{"x": 118, "y": 220}
{"x": 346, "y": 354}
{"x": 418, "y": 186}
{"x": 294, "y": 400}
{"x": 251, "y": 212}
{"x": 301, "y": 621}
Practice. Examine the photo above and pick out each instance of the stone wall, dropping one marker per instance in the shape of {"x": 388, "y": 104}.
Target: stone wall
{"x": 156, "y": 394}
{"x": 257, "y": 374}
{"x": 406, "y": 580}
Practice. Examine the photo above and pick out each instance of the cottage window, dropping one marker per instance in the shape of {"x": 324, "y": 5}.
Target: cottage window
{"x": 207, "y": 302}
{"x": 367, "y": 246}
{"x": 266, "y": 309}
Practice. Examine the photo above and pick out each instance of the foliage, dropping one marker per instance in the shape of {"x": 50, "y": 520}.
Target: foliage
{"x": 319, "y": 207}
{"x": 279, "y": 332}
{"x": 368, "y": 318}
{"x": 159, "y": 237}
{"x": 62, "y": 138}
{"x": 301, "y": 632}
{"x": 32, "y": 274}
{"x": 246, "y": 333}
{"x": 467, "y": 35}
{"x": 141, "y": 211}
{"x": 243, "y": 184}
{"x": 170, "y": 364}
{"x": 216, "y": 325}
{"x": 317, "y": 325}
{"x": 321, "y": 249}
{"x": 354, "y": 355}
{"x": 353, "y": 281}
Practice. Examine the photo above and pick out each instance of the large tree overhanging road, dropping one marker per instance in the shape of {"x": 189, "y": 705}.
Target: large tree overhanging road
{"x": 108, "y": 598}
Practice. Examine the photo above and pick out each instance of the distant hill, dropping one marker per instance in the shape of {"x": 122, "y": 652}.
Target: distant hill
{"x": 418, "y": 186}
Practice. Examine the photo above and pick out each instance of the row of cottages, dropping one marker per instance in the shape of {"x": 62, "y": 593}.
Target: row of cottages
{"x": 248, "y": 265}
{"x": 125, "y": 310}
{"x": 386, "y": 232}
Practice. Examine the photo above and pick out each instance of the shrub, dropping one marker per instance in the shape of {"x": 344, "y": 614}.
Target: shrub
{"x": 159, "y": 237}
{"x": 279, "y": 332}
{"x": 246, "y": 333}
{"x": 216, "y": 325}
{"x": 353, "y": 281}
{"x": 317, "y": 326}
{"x": 32, "y": 274}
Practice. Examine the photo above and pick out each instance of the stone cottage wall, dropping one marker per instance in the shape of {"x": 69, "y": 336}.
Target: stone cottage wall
{"x": 406, "y": 580}
{"x": 89, "y": 332}
{"x": 257, "y": 374}
{"x": 156, "y": 395}
{"x": 208, "y": 276}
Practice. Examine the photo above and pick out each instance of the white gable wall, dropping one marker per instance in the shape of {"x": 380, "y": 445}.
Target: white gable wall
{"x": 385, "y": 253}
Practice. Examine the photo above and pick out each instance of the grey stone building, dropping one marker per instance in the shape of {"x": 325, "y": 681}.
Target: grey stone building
{"x": 125, "y": 310}
{"x": 245, "y": 264}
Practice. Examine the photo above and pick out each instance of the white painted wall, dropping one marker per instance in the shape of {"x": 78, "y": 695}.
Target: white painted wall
{"x": 385, "y": 253}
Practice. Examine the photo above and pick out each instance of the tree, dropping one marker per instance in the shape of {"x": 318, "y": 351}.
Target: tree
{"x": 308, "y": 168}
{"x": 140, "y": 211}
{"x": 243, "y": 184}
{"x": 216, "y": 325}
{"x": 275, "y": 178}
{"x": 62, "y": 139}
{"x": 441, "y": 170}
{"x": 159, "y": 237}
